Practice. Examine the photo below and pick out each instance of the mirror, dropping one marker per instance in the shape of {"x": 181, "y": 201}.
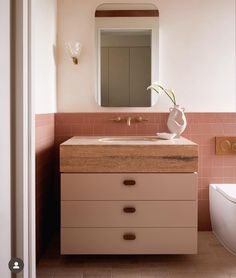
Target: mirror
{"x": 127, "y": 59}
{"x": 125, "y": 68}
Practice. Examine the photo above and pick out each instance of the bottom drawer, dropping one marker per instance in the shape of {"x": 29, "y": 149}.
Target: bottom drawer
{"x": 128, "y": 241}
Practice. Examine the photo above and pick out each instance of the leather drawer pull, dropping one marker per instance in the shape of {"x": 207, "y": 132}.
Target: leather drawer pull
{"x": 129, "y": 209}
{"x": 129, "y": 236}
{"x": 129, "y": 182}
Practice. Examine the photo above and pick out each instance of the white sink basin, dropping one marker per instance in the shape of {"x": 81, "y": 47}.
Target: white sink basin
{"x": 130, "y": 139}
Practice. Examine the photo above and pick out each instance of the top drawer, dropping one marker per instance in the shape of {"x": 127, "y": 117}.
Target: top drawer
{"x": 129, "y": 186}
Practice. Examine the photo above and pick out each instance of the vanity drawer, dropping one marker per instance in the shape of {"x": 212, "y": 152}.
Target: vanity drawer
{"x": 128, "y": 214}
{"x": 137, "y": 241}
{"x": 129, "y": 186}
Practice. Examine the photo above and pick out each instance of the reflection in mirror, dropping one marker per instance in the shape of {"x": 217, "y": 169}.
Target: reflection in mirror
{"x": 125, "y": 67}
{"x": 127, "y": 54}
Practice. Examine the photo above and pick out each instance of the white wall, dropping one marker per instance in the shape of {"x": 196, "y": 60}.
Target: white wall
{"x": 43, "y": 63}
{"x": 197, "y": 55}
{"x": 5, "y": 140}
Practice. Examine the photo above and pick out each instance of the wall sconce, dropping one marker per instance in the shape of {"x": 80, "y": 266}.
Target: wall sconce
{"x": 74, "y": 51}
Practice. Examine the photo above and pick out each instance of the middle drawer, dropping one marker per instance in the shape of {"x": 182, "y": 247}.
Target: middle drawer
{"x": 128, "y": 214}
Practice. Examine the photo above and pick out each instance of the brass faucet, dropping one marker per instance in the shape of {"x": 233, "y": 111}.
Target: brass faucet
{"x": 129, "y": 119}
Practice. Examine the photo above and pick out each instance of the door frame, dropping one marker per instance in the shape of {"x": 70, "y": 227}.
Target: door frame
{"x": 23, "y": 160}
{"x": 5, "y": 139}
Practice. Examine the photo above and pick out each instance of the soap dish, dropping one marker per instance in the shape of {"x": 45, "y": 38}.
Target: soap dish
{"x": 166, "y": 136}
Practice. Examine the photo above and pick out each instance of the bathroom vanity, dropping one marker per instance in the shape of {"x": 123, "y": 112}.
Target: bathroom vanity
{"x": 128, "y": 195}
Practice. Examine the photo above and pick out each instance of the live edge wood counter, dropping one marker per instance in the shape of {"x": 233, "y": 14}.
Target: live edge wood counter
{"x": 91, "y": 154}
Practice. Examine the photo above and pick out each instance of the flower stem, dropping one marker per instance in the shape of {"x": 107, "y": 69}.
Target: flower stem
{"x": 172, "y": 99}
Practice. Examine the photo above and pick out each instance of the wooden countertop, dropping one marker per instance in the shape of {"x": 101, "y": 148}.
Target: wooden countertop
{"x": 95, "y": 154}
{"x": 101, "y": 140}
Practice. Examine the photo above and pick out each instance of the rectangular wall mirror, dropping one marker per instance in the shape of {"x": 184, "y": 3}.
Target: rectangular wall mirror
{"x": 127, "y": 61}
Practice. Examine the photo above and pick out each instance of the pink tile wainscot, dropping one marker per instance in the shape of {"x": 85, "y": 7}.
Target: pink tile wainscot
{"x": 45, "y": 158}
{"x": 51, "y": 130}
{"x": 202, "y": 129}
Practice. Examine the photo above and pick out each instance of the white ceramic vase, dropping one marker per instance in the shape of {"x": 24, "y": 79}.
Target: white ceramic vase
{"x": 176, "y": 121}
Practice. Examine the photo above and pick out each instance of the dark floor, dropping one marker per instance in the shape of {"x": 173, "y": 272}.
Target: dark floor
{"x": 213, "y": 261}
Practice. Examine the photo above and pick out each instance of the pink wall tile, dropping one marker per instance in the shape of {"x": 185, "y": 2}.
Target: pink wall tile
{"x": 44, "y": 155}
{"x": 204, "y": 222}
{"x": 202, "y": 129}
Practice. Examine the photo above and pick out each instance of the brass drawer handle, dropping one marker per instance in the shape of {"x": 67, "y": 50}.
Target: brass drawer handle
{"x": 129, "y": 182}
{"x": 129, "y": 209}
{"x": 129, "y": 236}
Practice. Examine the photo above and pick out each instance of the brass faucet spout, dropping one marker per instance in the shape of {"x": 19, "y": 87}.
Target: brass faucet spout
{"x": 129, "y": 121}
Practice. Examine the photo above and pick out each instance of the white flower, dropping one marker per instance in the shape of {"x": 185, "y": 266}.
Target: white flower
{"x": 159, "y": 88}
